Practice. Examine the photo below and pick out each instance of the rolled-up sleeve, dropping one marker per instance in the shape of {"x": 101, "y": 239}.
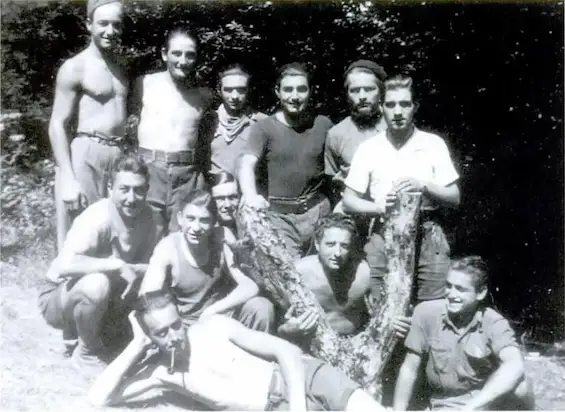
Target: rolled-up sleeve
{"x": 416, "y": 340}
{"x": 444, "y": 170}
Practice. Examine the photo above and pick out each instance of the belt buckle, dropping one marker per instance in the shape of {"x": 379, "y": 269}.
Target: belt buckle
{"x": 303, "y": 203}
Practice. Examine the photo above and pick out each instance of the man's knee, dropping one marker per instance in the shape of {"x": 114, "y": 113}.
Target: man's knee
{"x": 258, "y": 313}
{"x": 94, "y": 286}
{"x": 524, "y": 395}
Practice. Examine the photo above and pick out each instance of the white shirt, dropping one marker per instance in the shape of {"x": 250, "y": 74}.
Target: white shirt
{"x": 377, "y": 164}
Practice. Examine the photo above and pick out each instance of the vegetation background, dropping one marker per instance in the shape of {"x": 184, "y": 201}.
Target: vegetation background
{"x": 490, "y": 76}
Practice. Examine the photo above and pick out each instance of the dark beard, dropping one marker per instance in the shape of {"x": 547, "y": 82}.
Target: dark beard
{"x": 365, "y": 122}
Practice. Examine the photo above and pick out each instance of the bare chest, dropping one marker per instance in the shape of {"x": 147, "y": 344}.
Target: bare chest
{"x": 165, "y": 103}
{"x": 104, "y": 83}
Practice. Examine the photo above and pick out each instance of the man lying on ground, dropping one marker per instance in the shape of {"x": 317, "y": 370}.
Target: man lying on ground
{"x": 196, "y": 265}
{"x": 223, "y": 365}
{"x": 88, "y": 290}
{"x": 340, "y": 281}
{"x": 473, "y": 360}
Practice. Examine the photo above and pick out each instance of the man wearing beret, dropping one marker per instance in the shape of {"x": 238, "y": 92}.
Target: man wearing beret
{"x": 363, "y": 86}
{"x": 90, "y": 92}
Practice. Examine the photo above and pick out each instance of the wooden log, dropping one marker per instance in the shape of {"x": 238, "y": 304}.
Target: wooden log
{"x": 262, "y": 256}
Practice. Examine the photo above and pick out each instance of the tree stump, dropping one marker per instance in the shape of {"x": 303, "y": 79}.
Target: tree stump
{"x": 262, "y": 256}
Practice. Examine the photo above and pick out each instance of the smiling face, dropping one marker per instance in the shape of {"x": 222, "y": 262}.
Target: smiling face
{"x": 226, "y": 197}
{"x": 128, "y": 193}
{"x": 180, "y": 56}
{"x": 463, "y": 297}
{"x": 196, "y": 222}
{"x": 334, "y": 248}
{"x": 106, "y": 25}
{"x": 293, "y": 93}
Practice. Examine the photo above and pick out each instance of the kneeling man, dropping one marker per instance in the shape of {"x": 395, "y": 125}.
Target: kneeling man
{"x": 196, "y": 264}
{"x": 225, "y": 366}
{"x": 107, "y": 248}
{"x": 473, "y": 360}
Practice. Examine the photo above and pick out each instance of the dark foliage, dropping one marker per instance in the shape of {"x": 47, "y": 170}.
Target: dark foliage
{"x": 491, "y": 78}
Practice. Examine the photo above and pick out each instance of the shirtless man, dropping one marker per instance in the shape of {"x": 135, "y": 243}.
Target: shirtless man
{"x": 91, "y": 88}
{"x": 224, "y": 366}
{"x": 340, "y": 281}
{"x": 171, "y": 126}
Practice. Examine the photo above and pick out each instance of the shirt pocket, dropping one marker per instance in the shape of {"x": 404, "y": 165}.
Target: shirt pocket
{"x": 439, "y": 355}
{"x": 478, "y": 356}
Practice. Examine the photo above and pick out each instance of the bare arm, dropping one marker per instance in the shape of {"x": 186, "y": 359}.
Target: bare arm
{"x": 111, "y": 387}
{"x": 406, "y": 379}
{"x": 245, "y": 289}
{"x": 446, "y": 195}
{"x": 269, "y": 347}
{"x": 353, "y": 202}
{"x": 156, "y": 273}
{"x": 504, "y": 380}
{"x": 64, "y": 106}
{"x": 80, "y": 265}
{"x": 246, "y": 175}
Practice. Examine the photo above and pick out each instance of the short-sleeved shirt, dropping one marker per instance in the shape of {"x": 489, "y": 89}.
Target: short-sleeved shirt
{"x": 459, "y": 361}
{"x": 224, "y": 152}
{"x": 292, "y": 159}
{"x": 377, "y": 164}
{"x": 99, "y": 231}
{"x": 342, "y": 142}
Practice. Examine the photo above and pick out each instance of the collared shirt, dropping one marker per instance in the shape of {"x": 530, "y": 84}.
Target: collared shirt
{"x": 459, "y": 360}
{"x": 99, "y": 231}
{"x": 342, "y": 142}
{"x": 377, "y": 164}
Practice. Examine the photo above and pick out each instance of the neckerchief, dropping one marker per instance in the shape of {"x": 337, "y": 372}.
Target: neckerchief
{"x": 229, "y": 126}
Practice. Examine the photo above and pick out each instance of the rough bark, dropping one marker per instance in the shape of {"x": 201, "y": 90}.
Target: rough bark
{"x": 262, "y": 255}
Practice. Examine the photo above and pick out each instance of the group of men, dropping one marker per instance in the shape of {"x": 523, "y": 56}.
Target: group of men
{"x": 145, "y": 238}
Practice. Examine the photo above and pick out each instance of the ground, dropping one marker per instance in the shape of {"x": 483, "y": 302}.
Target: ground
{"x": 35, "y": 375}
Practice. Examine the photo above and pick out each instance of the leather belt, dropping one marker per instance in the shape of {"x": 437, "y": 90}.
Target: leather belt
{"x": 185, "y": 157}
{"x": 100, "y": 137}
{"x": 295, "y": 205}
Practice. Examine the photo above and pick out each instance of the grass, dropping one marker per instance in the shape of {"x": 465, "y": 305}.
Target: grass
{"x": 36, "y": 376}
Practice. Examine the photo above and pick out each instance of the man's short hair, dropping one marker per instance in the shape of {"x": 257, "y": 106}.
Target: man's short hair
{"x": 235, "y": 68}
{"x": 292, "y": 69}
{"x": 197, "y": 197}
{"x": 475, "y": 267}
{"x": 182, "y": 30}
{"x": 154, "y": 300}
{"x": 335, "y": 220}
{"x": 130, "y": 163}
{"x": 222, "y": 177}
{"x": 400, "y": 81}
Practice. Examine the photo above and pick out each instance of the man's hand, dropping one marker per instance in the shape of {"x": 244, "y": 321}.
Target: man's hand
{"x": 73, "y": 195}
{"x": 401, "y": 325}
{"x": 390, "y": 200}
{"x": 256, "y": 201}
{"x": 408, "y": 184}
{"x": 301, "y": 325}
{"x": 129, "y": 274}
{"x": 139, "y": 335}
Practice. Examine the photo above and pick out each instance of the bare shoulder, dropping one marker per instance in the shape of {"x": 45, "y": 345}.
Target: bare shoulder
{"x": 72, "y": 70}
{"x": 363, "y": 273}
{"x": 308, "y": 264}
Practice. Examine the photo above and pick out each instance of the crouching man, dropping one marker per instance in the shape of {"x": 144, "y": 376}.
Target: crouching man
{"x": 196, "y": 265}
{"x": 223, "y": 365}
{"x": 91, "y": 284}
{"x": 473, "y": 361}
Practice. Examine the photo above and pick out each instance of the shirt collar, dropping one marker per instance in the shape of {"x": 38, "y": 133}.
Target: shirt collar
{"x": 475, "y": 322}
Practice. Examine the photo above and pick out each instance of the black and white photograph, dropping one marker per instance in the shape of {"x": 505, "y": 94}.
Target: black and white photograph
{"x": 298, "y": 205}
